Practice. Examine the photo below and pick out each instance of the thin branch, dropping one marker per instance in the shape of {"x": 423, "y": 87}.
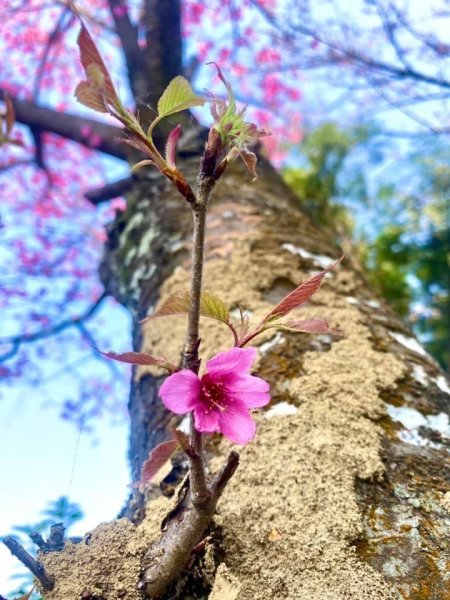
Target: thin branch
{"x": 38, "y": 148}
{"x": 414, "y": 135}
{"x": 52, "y": 39}
{"x": 225, "y": 474}
{"x": 128, "y": 35}
{"x": 419, "y": 120}
{"x": 17, "y": 340}
{"x": 390, "y": 30}
{"x": 86, "y": 334}
{"x": 17, "y": 550}
{"x": 359, "y": 59}
{"x": 110, "y": 190}
{"x": 166, "y": 559}
{"x": 106, "y": 137}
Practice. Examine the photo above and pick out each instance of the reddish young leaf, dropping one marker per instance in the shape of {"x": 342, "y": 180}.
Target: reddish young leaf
{"x": 140, "y": 358}
{"x": 183, "y": 440}
{"x": 171, "y": 146}
{"x": 142, "y": 163}
{"x": 245, "y": 322}
{"x": 309, "y": 326}
{"x": 98, "y": 91}
{"x": 136, "y": 142}
{"x": 90, "y": 96}
{"x": 89, "y": 55}
{"x": 299, "y": 296}
{"x": 156, "y": 459}
{"x": 250, "y": 161}
{"x": 10, "y": 116}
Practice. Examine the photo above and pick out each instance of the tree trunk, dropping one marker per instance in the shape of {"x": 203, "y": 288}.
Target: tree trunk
{"x": 345, "y": 493}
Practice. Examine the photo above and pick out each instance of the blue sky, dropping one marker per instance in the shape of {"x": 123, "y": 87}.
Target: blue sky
{"x": 44, "y": 457}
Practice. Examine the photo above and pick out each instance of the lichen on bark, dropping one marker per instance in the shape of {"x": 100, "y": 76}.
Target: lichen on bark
{"x": 323, "y": 495}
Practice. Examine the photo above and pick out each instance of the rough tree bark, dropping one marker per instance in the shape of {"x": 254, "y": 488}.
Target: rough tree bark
{"x": 335, "y": 498}
{"x": 345, "y": 492}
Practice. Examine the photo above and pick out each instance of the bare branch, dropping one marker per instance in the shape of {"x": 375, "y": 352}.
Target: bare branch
{"x": 110, "y": 190}
{"x": 346, "y": 52}
{"x": 17, "y": 340}
{"x": 128, "y": 36}
{"x": 70, "y": 127}
{"x": 31, "y": 563}
{"x": 60, "y": 26}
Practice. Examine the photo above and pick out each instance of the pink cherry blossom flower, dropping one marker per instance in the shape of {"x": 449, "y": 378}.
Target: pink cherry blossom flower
{"x": 222, "y": 397}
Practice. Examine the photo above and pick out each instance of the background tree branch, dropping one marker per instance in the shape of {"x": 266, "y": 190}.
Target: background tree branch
{"x": 102, "y": 137}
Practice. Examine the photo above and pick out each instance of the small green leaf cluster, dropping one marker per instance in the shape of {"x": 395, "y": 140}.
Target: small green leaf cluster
{"x": 233, "y": 132}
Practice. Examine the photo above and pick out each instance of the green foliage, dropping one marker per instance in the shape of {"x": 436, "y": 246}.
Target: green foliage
{"x": 320, "y": 183}
{"x": 433, "y": 271}
{"x": 404, "y": 242}
{"x": 387, "y": 261}
{"x": 178, "y": 96}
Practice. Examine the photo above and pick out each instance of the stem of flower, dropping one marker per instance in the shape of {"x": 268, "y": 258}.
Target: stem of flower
{"x": 190, "y": 358}
{"x": 200, "y": 493}
{"x": 167, "y": 557}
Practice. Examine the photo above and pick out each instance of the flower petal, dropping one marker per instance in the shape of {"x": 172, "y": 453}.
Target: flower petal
{"x": 238, "y": 360}
{"x": 205, "y": 419}
{"x": 237, "y": 424}
{"x": 181, "y": 392}
{"x": 252, "y": 391}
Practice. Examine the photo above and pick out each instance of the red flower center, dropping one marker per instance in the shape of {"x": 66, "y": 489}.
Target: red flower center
{"x": 213, "y": 393}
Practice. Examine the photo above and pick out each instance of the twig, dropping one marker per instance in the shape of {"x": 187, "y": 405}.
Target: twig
{"x": 186, "y": 526}
{"x": 167, "y": 558}
{"x": 225, "y": 474}
{"x": 110, "y": 190}
{"x": 70, "y": 126}
{"x": 17, "y": 340}
{"x": 55, "y": 542}
{"x": 200, "y": 493}
{"x": 31, "y": 563}
{"x": 38, "y": 540}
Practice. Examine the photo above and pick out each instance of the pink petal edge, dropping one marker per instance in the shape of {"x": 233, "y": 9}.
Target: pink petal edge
{"x": 238, "y": 360}
{"x": 237, "y": 424}
{"x": 180, "y": 392}
{"x": 253, "y": 391}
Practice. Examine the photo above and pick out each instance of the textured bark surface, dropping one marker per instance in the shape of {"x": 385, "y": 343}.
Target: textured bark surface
{"x": 344, "y": 494}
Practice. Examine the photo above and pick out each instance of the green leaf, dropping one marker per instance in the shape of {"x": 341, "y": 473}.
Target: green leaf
{"x": 178, "y": 96}
{"x": 179, "y": 304}
{"x": 214, "y": 307}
